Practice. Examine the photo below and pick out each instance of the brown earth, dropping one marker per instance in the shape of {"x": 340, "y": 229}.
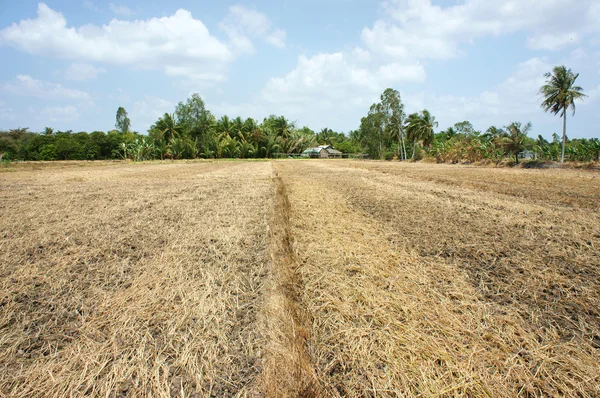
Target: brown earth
{"x": 298, "y": 278}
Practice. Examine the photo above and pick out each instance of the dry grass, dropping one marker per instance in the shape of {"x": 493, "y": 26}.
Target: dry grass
{"x": 419, "y": 288}
{"x": 566, "y": 187}
{"x": 133, "y": 280}
{"x": 288, "y": 370}
{"x": 305, "y": 279}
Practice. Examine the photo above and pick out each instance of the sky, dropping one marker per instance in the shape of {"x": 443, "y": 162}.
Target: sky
{"x": 320, "y": 63}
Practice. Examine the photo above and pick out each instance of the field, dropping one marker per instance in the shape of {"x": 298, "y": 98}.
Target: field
{"x": 298, "y": 279}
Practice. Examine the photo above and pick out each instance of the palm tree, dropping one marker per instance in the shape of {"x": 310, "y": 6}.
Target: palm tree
{"x": 282, "y": 126}
{"x": 165, "y": 128}
{"x": 515, "y": 139}
{"x": 449, "y": 132}
{"x": 420, "y": 128}
{"x": 492, "y": 133}
{"x": 237, "y": 128}
{"x": 224, "y": 126}
{"x": 560, "y": 93}
{"x": 271, "y": 143}
{"x": 325, "y": 137}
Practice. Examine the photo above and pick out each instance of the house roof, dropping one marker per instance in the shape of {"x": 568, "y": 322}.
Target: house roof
{"x": 333, "y": 151}
{"x": 313, "y": 150}
{"x": 320, "y": 148}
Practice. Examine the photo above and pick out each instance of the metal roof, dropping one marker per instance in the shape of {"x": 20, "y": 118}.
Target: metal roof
{"x": 313, "y": 150}
{"x": 333, "y": 151}
{"x": 320, "y": 148}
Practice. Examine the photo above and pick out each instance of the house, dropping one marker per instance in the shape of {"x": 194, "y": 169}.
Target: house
{"x": 527, "y": 155}
{"x": 323, "y": 152}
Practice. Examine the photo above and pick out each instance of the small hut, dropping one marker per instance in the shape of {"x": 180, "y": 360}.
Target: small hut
{"x": 322, "y": 152}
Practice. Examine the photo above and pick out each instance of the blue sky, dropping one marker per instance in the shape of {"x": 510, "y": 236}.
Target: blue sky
{"x": 71, "y": 64}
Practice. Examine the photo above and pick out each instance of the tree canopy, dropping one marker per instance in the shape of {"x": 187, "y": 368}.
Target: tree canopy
{"x": 385, "y": 132}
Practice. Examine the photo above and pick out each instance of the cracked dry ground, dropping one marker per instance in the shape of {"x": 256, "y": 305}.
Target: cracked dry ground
{"x": 299, "y": 278}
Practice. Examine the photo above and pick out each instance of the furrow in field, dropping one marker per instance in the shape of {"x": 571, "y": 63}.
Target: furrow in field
{"x": 288, "y": 370}
{"x": 564, "y": 188}
{"x": 389, "y": 269}
{"x": 517, "y": 252}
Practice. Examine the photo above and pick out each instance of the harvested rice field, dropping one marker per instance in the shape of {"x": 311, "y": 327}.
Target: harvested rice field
{"x": 319, "y": 278}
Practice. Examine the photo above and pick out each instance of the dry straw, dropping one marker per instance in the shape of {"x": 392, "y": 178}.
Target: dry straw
{"x": 305, "y": 279}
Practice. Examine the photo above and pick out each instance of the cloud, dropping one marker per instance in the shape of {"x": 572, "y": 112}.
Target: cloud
{"x": 90, "y": 5}
{"x": 6, "y": 113}
{"x": 335, "y": 77}
{"x": 156, "y": 43}
{"x": 26, "y": 85}
{"x": 277, "y": 38}
{"x": 515, "y": 98}
{"x": 78, "y": 71}
{"x": 418, "y": 29}
{"x": 359, "y": 54}
{"x": 147, "y": 111}
{"x": 243, "y": 24}
{"x": 325, "y": 88}
{"x": 396, "y": 72}
{"x": 120, "y": 9}
{"x": 553, "y": 42}
{"x": 66, "y": 113}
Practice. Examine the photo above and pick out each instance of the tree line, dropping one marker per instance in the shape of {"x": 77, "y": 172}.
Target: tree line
{"x": 191, "y": 131}
{"x": 386, "y": 132}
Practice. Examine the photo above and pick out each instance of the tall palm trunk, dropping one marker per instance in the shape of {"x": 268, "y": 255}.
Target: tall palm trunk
{"x": 403, "y": 146}
{"x": 564, "y": 140}
{"x": 414, "y": 147}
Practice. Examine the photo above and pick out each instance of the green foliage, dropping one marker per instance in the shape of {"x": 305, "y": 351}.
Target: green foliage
{"x": 192, "y": 131}
{"x": 419, "y": 128}
{"x": 560, "y": 93}
{"x": 123, "y": 123}
{"x": 515, "y": 139}
{"x": 464, "y": 127}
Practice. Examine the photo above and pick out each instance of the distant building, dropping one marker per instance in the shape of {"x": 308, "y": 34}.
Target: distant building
{"x": 527, "y": 155}
{"x": 322, "y": 152}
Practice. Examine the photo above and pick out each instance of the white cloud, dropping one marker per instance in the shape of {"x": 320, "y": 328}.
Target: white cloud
{"x": 243, "y": 24}
{"x": 6, "y": 113}
{"x": 158, "y": 43}
{"x": 147, "y": 111}
{"x": 359, "y": 54}
{"x": 78, "y": 71}
{"x": 325, "y": 89}
{"x": 418, "y": 29}
{"x": 120, "y": 9}
{"x": 396, "y": 72}
{"x": 553, "y": 42}
{"x": 193, "y": 74}
{"x": 334, "y": 76}
{"x": 593, "y": 95}
{"x": 324, "y": 74}
{"x": 277, "y": 38}
{"x": 90, "y": 5}
{"x": 514, "y": 99}
{"x": 67, "y": 113}
{"x": 26, "y": 85}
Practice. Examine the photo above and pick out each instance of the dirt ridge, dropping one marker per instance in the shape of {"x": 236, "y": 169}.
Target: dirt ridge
{"x": 288, "y": 371}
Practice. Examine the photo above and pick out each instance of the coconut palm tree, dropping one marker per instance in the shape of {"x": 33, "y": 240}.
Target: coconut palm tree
{"x": 515, "y": 139}
{"x": 326, "y": 136}
{"x": 224, "y": 127}
{"x": 560, "y": 93}
{"x": 165, "y": 128}
{"x": 420, "y": 127}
